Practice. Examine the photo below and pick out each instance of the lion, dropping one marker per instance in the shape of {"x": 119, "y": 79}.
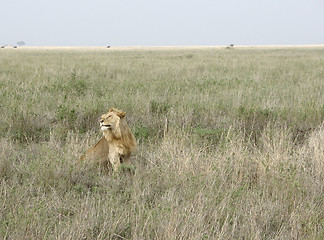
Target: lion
{"x": 117, "y": 143}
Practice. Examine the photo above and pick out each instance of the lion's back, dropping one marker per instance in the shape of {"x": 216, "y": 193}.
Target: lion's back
{"x": 98, "y": 152}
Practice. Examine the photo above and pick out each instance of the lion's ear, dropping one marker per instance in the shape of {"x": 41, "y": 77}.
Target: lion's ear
{"x": 118, "y": 112}
{"x": 121, "y": 114}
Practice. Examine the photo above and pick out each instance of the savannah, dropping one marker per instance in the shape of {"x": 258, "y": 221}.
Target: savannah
{"x": 230, "y": 143}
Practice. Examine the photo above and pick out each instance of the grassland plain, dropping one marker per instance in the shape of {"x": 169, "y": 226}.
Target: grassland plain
{"x": 243, "y": 157}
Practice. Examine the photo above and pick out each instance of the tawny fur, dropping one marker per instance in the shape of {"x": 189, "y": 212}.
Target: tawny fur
{"x": 117, "y": 143}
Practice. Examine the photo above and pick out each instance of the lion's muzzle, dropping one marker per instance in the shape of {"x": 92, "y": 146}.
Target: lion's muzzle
{"x": 103, "y": 126}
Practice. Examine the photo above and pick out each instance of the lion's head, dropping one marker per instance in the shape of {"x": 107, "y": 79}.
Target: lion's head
{"x": 111, "y": 120}
{"x": 114, "y": 127}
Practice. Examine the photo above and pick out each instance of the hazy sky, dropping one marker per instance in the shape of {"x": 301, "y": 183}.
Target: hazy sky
{"x": 161, "y": 23}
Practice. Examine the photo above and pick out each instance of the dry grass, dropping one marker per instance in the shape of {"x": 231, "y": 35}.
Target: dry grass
{"x": 243, "y": 157}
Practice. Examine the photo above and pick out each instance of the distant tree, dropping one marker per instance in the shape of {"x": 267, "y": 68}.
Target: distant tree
{"x": 21, "y": 43}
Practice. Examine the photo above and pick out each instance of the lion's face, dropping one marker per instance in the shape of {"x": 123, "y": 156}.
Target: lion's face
{"x": 110, "y": 120}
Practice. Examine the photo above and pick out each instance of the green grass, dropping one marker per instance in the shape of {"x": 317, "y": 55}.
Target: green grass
{"x": 243, "y": 157}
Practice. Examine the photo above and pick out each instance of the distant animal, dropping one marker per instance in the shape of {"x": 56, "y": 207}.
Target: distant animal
{"x": 117, "y": 143}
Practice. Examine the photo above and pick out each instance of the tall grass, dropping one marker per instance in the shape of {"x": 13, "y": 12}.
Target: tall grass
{"x": 243, "y": 157}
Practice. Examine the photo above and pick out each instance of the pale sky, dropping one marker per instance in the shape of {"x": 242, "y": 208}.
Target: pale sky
{"x": 161, "y": 23}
